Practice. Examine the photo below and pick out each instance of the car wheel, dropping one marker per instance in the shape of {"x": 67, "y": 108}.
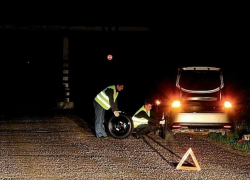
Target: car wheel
{"x": 120, "y": 127}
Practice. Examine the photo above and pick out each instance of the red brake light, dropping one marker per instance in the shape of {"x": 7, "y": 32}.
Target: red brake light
{"x": 176, "y": 126}
{"x": 227, "y": 126}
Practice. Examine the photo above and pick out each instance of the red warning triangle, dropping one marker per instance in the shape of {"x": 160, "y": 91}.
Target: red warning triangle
{"x": 189, "y": 152}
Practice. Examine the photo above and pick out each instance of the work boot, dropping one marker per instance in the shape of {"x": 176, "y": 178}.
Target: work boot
{"x": 137, "y": 136}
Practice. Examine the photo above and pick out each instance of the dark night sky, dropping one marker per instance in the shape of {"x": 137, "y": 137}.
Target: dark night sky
{"x": 141, "y": 59}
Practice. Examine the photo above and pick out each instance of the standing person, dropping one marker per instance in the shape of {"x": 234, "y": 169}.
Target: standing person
{"x": 105, "y": 100}
{"x": 142, "y": 121}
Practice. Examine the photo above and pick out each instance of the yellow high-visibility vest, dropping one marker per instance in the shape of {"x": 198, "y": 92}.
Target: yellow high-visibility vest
{"x": 138, "y": 121}
{"x": 103, "y": 99}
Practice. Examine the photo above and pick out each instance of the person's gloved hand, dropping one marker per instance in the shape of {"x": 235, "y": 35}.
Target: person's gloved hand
{"x": 116, "y": 113}
{"x": 162, "y": 122}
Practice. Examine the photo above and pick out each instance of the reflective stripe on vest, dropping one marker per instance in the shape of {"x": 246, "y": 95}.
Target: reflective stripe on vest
{"x": 138, "y": 121}
{"x": 103, "y": 99}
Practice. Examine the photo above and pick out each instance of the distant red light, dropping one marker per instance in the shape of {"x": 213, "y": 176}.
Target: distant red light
{"x": 109, "y": 57}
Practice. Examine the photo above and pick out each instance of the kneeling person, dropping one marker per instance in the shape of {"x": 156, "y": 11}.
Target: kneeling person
{"x": 142, "y": 121}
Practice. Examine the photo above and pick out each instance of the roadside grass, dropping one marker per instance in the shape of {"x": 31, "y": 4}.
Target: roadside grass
{"x": 235, "y": 140}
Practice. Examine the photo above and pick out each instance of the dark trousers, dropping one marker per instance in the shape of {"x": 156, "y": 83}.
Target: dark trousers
{"x": 99, "y": 120}
{"x": 144, "y": 129}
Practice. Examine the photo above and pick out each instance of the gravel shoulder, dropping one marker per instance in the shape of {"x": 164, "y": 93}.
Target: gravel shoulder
{"x": 64, "y": 147}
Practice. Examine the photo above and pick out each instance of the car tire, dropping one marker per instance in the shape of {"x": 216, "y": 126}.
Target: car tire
{"x": 120, "y": 127}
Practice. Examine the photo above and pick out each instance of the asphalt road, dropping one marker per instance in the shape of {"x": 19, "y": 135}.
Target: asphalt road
{"x": 64, "y": 147}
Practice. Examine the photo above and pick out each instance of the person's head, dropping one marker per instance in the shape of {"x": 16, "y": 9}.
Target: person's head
{"x": 119, "y": 86}
{"x": 148, "y": 104}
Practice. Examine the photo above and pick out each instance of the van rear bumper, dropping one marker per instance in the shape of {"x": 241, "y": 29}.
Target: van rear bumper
{"x": 200, "y": 118}
{"x": 200, "y": 122}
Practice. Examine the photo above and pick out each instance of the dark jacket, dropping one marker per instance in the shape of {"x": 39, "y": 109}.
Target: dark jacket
{"x": 145, "y": 115}
{"x": 109, "y": 92}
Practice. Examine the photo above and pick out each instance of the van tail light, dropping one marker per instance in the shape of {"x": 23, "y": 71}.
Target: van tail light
{"x": 227, "y": 104}
{"x": 157, "y": 102}
{"x": 176, "y": 104}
